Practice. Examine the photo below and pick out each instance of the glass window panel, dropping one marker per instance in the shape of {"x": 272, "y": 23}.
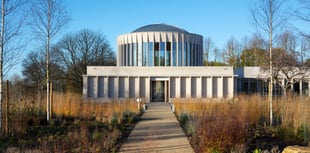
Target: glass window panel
{"x": 144, "y": 60}
{"x": 191, "y": 54}
{"x": 174, "y": 53}
{"x": 162, "y": 54}
{"x": 180, "y": 54}
{"x": 168, "y": 54}
{"x": 156, "y": 54}
{"x": 124, "y": 55}
{"x": 184, "y": 55}
{"x": 188, "y": 55}
{"x": 130, "y": 55}
{"x": 195, "y": 55}
{"x": 139, "y": 53}
{"x": 134, "y": 48}
{"x": 151, "y": 54}
{"x": 199, "y": 53}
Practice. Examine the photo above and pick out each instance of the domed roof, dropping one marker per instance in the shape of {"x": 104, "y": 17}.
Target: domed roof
{"x": 160, "y": 28}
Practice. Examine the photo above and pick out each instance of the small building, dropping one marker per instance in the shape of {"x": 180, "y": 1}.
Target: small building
{"x": 255, "y": 80}
{"x": 158, "y": 62}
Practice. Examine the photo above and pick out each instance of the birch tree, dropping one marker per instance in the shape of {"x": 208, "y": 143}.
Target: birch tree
{"x": 269, "y": 18}
{"x": 13, "y": 21}
{"x": 49, "y": 17}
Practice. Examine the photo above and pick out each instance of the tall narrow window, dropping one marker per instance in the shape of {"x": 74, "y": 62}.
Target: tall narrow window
{"x": 124, "y": 55}
{"x": 168, "y": 54}
{"x": 139, "y": 53}
{"x": 200, "y": 61}
{"x": 188, "y": 55}
{"x": 174, "y": 53}
{"x": 134, "y": 48}
{"x": 184, "y": 63}
{"x": 180, "y": 54}
{"x": 162, "y": 54}
{"x": 156, "y": 54}
{"x": 144, "y": 59}
{"x": 130, "y": 55}
{"x": 151, "y": 53}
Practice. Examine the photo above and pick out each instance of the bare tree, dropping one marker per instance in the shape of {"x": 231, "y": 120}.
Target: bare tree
{"x": 34, "y": 71}
{"x": 232, "y": 52}
{"x": 13, "y": 21}
{"x": 304, "y": 50}
{"x": 76, "y": 51}
{"x": 288, "y": 42}
{"x": 269, "y": 18}
{"x": 303, "y": 14}
{"x": 257, "y": 44}
{"x": 216, "y": 54}
{"x": 208, "y": 47}
{"x": 286, "y": 71}
{"x": 49, "y": 17}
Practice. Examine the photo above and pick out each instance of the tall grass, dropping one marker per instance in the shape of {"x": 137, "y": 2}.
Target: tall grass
{"x": 29, "y": 110}
{"x": 75, "y": 126}
{"x": 71, "y": 105}
{"x": 222, "y": 125}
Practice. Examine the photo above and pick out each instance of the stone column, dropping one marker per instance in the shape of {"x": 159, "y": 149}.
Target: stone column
{"x": 96, "y": 87}
{"x": 220, "y": 87}
{"x": 188, "y": 87}
{"x": 147, "y": 89}
{"x": 231, "y": 87}
{"x": 85, "y": 86}
{"x": 116, "y": 86}
{"x": 177, "y": 87}
{"x": 105, "y": 87}
{"x": 209, "y": 87}
{"x": 199, "y": 87}
{"x": 137, "y": 87}
{"x": 126, "y": 86}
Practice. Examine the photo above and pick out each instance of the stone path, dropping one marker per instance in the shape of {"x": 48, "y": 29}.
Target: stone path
{"x": 157, "y": 131}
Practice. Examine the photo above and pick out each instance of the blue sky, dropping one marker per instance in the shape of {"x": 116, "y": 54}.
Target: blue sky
{"x": 219, "y": 20}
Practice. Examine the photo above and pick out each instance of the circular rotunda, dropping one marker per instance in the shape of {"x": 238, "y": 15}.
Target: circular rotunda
{"x": 159, "y": 45}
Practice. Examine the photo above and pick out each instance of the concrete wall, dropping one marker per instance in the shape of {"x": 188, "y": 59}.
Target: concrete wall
{"x": 119, "y": 82}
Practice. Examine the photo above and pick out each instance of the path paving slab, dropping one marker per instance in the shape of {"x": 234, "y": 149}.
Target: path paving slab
{"x": 157, "y": 131}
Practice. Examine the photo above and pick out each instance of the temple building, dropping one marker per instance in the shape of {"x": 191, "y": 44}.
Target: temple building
{"x": 158, "y": 63}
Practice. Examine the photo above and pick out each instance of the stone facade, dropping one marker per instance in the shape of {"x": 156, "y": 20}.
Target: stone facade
{"x": 158, "y": 83}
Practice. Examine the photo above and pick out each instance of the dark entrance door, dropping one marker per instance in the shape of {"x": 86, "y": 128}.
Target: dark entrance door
{"x": 158, "y": 91}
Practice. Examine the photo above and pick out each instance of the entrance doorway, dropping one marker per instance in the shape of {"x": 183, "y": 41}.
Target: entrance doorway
{"x": 158, "y": 91}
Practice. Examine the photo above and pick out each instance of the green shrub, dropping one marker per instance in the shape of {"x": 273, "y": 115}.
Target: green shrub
{"x": 114, "y": 121}
{"x": 183, "y": 119}
{"x": 128, "y": 117}
{"x": 302, "y": 134}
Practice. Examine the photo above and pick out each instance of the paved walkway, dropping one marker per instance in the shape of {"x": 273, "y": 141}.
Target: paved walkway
{"x": 157, "y": 131}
